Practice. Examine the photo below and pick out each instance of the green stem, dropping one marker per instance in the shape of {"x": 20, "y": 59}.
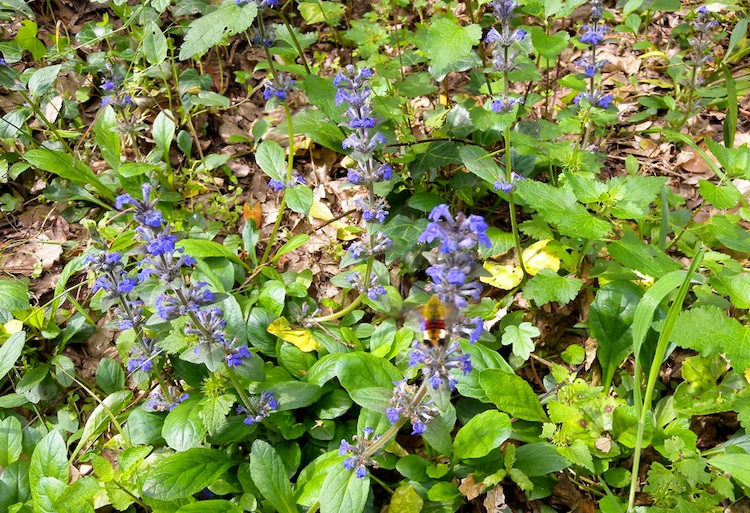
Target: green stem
{"x": 282, "y": 207}
{"x": 653, "y": 375}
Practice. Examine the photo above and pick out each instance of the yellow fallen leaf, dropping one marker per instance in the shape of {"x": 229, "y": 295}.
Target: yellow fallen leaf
{"x": 13, "y": 326}
{"x": 320, "y": 211}
{"x": 536, "y": 258}
{"x": 503, "y": 277}
{"x": 301, "y": 338}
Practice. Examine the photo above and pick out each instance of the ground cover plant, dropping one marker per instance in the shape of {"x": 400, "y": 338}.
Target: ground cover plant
{"x": 374, "y": 256}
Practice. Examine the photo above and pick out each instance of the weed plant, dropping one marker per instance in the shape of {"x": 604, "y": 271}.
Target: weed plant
{"x": 525, "y": 306}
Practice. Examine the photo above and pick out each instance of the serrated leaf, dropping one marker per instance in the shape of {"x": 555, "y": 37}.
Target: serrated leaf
{"x": 512, "y": 394}
{"x": 721, "y": 196}
{"x": 647, "y": 259}
{"x": 560, "y": 208}
{"x": 449, "y": 43}
{"x": 209, "y": 30}
{"x": 186, "y": 473}
{"x": 548, "y": 286}
{"x": 578, "y": 453}
{"x": 213, "y": 411}
{"x": 737, "y": 465}
{"x": 549, "y": 46}
{"x": 710, "y": 331}
{"x": 522, "y": 339}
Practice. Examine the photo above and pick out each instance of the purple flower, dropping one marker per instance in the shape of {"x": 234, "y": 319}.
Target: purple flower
{"x": 438, "y": 361}
{"x": 403, "y": 405}
{"x": 278, "y": 89}
{"x": 276, "y": 185}
{"x": 506, "y": 104}
{"x": 236, "y": 356}
{"x": 358, "y": 460}
{"x": 157, "y": 401}
{"x": 261, "y": 407}
{"x": 594, "y": 34}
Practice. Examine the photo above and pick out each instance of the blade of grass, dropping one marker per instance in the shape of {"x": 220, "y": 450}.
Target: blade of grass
{"x": 643, "y": 321}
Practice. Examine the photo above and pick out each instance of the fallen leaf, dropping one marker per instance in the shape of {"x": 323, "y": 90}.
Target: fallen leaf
{"x": 301, "y": 338}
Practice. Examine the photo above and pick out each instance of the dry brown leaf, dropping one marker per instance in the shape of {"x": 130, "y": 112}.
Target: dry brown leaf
{"x": 470, "y": 488}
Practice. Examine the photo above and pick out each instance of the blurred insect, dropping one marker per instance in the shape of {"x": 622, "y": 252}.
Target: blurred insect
{"x": 436, "y": 319}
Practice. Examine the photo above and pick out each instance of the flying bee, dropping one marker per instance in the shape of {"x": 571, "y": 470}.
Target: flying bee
{"x": 436, "y": 316}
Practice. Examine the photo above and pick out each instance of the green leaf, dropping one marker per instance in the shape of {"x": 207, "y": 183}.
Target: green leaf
{"x": 363, "y": 370}
{"x": 211, "y": 506}
{"x": 272, "y": 296}
{"x": 321, "y": 12}
{"x": 49, "y": 459}
{"x": 163, "y": 132}
{"x": 10, "y": 351}
{"x": 26, "y": 37}
{"x": 144, "y": 427}
{"x": 710, "y": 331}
{"x": 539, "y": 459}
{"x": 721, "y": 196}
{"x": 292, "y": 395}
{"x": 62, "y": 165}
{"x": 110, "y": 376}
{"x": 578, "y": 453}
{"x": 186, "y": 473}
{"x": 271, "y": 158}
{"x": 512, "y": 394}
{"x": 209, "y": 30}
{"x": 610, "y": 321}
{"x": 290, "y": 245}
{"x": 737, "y": 465}
{"x": 481, "y": 163}
{"x": 103, "y": 414}
{"x": 154, "y": 44}
{"x": 10, "y": 441}
{"x": 107, "y": 136}
{"x": 201, "y": 249}
{"x": 449, "y": 45}
{"x": 213, "y": 411}
{"x": 42, "y": 80}
{"x": 647, "y": 259}
{"x": 269, "y": 475}
{"x": 482, "y": 434}
{"x": 549, "y": 46}
{"x": 14, "y": 295}
{"x": 343, "y": 491}
{"x": 183, "y": 428}
{"x": 424, "y": 201}
{"x": 560, "y": 208}
{"x": 314, "y": 124}
{"x": 548, "y": 286}
{"x": 632, "y": 196}
{"x": 299, "y": 199}
{"x": 522, "y": 338}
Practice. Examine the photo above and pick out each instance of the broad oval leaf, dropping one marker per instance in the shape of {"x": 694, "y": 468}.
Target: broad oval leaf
{"x": 482, "y": 434}
{"x": 343, "y": 491}
{"x": 512, "y": 394}
{"x": 183, "y": 474}
{"x": 269, "y": 475}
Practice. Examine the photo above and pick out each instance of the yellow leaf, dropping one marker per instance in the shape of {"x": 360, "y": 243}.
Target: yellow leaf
{"x": 503, "y": 277}
{"x": 536, "y": 258}
{"x": 320, "y": 211}
{"x": 301, "y": 338}
{"x": 13, "y": 326}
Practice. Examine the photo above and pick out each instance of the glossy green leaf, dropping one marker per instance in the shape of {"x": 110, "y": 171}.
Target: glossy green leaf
{"x": 163, "y": 132}
{"x": 610, "y": 320}
{"x": 482, "y": 434}
{"x": 186, "y": 473}
{"x": 183, "y": 427}
{"x": 512, "y": 394}
{"x": 269, "y": 475}
{"x": 343, "y": 491}
{"x": 107, "y": 136}
{"x": 539, "y": 459}
{"x": 10, "y": 441}
{"x": 211, "y": 506}
{"x": 63, "y": 165}
{"x": 49, "y": 459}
{"x": 42, "y": 80}
{"x": 110, "y": 375}
{"x": 737, "y": 465}
{"x": 363, "y": 370}
{"x": 299, "y": 199}
{"x": 154, "y": 43}
{"x": 271, "y": 158}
